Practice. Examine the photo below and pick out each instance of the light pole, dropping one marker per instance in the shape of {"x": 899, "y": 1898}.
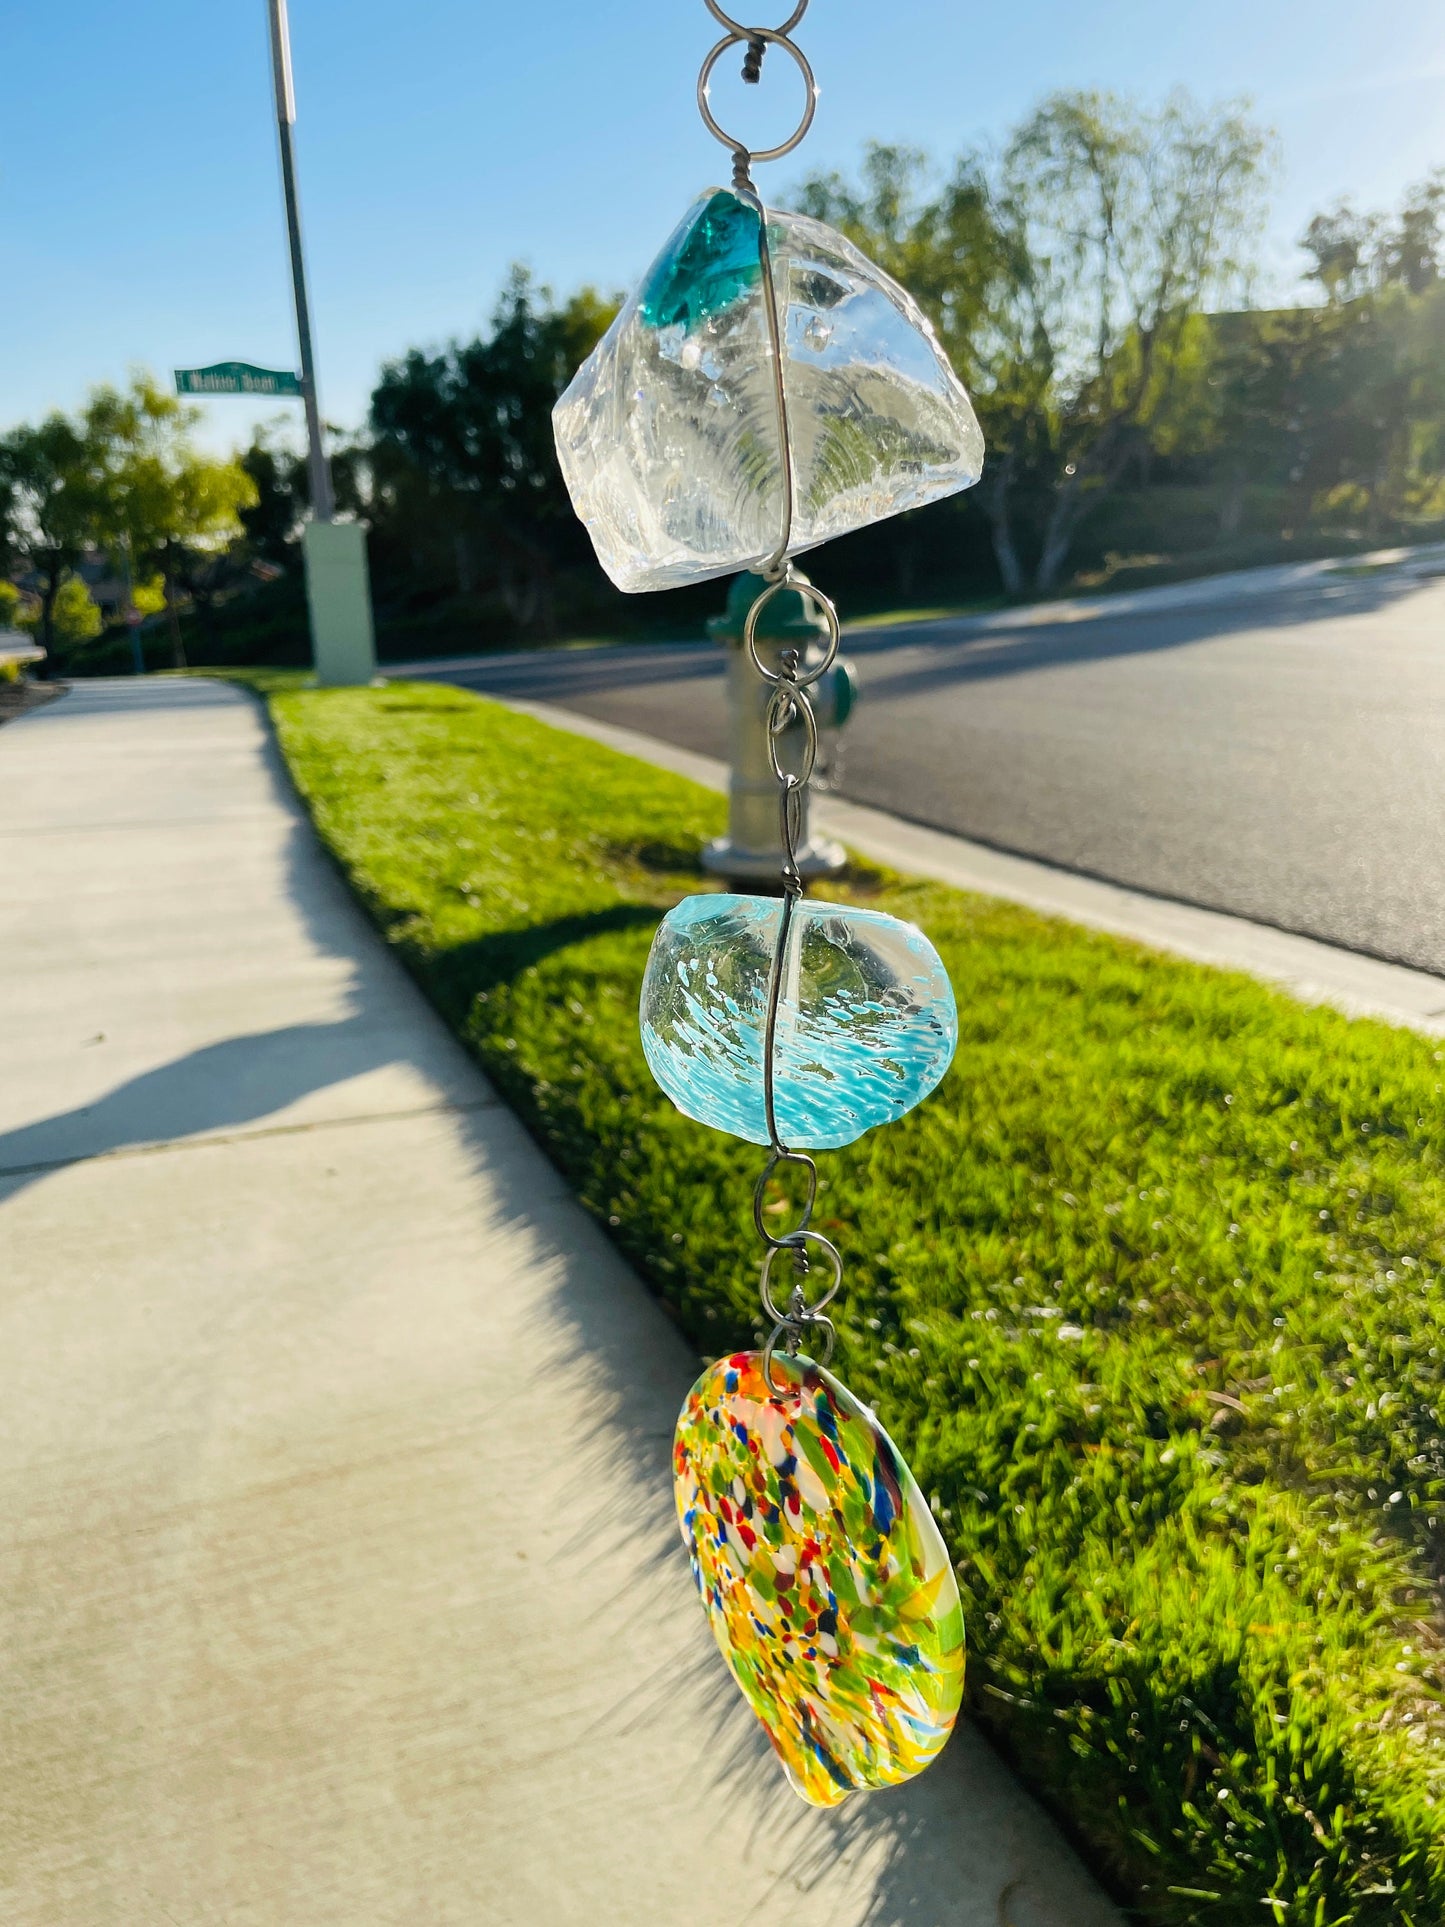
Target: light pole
{"x": 338, "y": 589}
{"x": 323, "y": 496}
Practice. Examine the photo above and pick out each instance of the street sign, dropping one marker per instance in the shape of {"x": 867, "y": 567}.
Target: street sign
{"x": 236, "y": 378}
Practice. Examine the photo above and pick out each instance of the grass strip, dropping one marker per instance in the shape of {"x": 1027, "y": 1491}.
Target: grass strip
{"x": 1150, "y": 1292}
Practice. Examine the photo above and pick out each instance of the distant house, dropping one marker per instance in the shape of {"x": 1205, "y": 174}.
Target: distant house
{"x": 98, "y": 574}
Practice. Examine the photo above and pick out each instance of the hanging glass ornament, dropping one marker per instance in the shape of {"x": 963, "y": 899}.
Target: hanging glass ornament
{"x": 692, "y": 486}
{"x": 766, "y": 388}
{"x": 865, "y": 1024}
{"x": 825, "y": 1580}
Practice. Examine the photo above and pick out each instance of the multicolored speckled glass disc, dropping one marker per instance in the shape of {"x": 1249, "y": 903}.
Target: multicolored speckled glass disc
{"x": 825, "y": 1579}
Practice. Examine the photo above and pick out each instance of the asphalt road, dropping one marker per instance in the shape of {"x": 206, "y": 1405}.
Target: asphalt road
{"x": 1282, "y": 758}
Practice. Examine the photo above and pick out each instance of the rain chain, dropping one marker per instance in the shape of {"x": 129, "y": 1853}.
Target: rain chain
{"x": 767, "y": 388}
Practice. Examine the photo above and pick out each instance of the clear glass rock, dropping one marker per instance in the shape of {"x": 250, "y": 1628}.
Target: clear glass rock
{"x": 668, "y": 434}
{"x": 866, "y": 1019}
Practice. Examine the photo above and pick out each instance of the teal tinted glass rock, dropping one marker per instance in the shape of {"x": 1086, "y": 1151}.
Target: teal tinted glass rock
{"x": 668, "y": 433}
{"x": 711, "y": 261}
{"x": 866, "y": 1019}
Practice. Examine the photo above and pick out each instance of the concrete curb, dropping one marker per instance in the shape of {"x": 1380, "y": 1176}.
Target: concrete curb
{"x": 1314, "y": 972}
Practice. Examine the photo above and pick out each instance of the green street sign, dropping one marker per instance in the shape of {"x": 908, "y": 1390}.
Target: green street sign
{"x": 236, "y": 378}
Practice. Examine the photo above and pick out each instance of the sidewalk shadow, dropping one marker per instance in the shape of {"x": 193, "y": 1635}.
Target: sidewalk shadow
{"x": 220, "y": 1087}
{"x": 239, "y": 1081}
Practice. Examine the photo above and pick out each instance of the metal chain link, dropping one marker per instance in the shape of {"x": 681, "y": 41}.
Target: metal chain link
{"x": 755, "y": 42}
{"x": 797, "y": 1318}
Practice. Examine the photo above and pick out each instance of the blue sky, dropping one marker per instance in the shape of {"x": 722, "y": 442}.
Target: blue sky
{"x": 439, "y": 141}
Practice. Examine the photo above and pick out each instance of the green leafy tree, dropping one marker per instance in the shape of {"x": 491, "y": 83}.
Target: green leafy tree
{"x": 1066, "y": 278}
{"x": 1343, "y": 244}
{"x": 47, "y": 508}
{"x": 1355, "y": 254}
{"x": 1257, "y": 429}
{"x": 162, "y": 502}
{"x": 271, "y": 521}
{"x": 462, "y": 454}
{"x": 1127, "y": 224}
{"x": 75, "y": 616}
{"x": 966, "y": 268}
{"x": 945, "y": 246}
{"x": 1368, "y": 404}
{"x": 1411, "y": 253}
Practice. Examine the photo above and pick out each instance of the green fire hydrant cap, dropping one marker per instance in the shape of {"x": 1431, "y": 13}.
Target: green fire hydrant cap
{"x": 789, "y": 617}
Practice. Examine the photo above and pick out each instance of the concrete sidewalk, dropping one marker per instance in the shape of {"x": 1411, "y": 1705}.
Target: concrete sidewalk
{"x": 339, "y": 1585}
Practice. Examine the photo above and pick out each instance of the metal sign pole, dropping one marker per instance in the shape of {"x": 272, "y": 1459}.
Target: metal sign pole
{"x": 323, "y": 498}
{"x": 338, "y": 588}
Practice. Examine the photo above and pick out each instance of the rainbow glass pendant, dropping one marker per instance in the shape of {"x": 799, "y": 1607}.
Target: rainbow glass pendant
{"x": 824, "y": 1578}
{"x": 866, "y": 1024}
{"x": 668, "y": 437}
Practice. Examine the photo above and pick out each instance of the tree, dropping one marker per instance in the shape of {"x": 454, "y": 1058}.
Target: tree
{"x": 1066, "y": 278}
{"x": 47, "y": 507}
{"x": 946, "y": 248}
{"x": 74, "y": 616}
{"x": 1368, "y": 415}
{"x": 1344, "y": 245}
{"x": 963, "y": 265}
{"x": 1411, "y": 255}
{"x": 271, "y": 521}
{"x": 160, "y": 501}
{"x": 1357, "y": 254}
{"x": 462, "y": 445}
{"x": 1127, "y": 225}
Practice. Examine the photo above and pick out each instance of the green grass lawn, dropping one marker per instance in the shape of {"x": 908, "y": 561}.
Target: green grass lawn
{"x": 1150, "y": 1292}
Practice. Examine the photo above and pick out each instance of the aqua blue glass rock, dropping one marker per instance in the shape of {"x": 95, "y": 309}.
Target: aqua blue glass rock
{"x": 866, "y": 1019}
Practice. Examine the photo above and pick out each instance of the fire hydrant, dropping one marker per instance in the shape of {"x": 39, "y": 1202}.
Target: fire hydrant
{"x": 752, "y": 850}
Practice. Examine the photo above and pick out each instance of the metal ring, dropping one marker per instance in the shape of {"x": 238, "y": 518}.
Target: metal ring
{"x": 824, "y": 606}
{"x": 760, "y": 1190}
{"x": 803, "y": 709}
{"x": 798, "y": 1242}
{"x": 824, "y": 1325}
{"x": 773, "y": 38}
{"x": 736, "y": 26}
